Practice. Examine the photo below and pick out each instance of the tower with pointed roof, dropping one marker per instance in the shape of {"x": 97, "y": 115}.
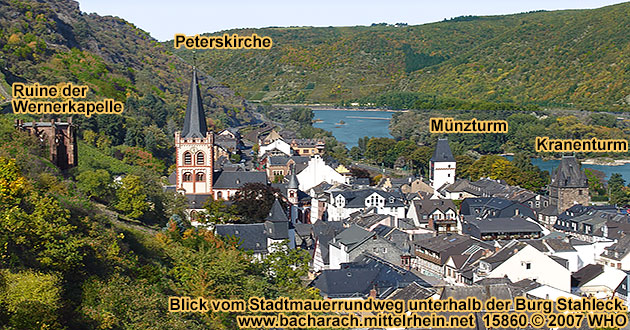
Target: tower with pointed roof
{"x": 569, "y": 185}
{"x": 292, "y": 188}
{"x": 194, "y": 147}
{"x": 278, "y": 226}
{"x": 442, "y": 165}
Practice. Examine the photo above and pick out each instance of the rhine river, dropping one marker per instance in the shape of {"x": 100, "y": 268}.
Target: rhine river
{"x": 376, "y": 124}
{"x": 357, "y": 124}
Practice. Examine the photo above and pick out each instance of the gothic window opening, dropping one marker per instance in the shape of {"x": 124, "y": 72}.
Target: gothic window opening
{"x": 200, "y": 158}
{"x": 187, "y": 158}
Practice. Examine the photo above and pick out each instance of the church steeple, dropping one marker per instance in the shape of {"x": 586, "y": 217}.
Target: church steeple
{"x": 195, "y": 120}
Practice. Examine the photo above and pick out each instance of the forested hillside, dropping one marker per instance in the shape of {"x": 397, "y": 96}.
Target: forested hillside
{"x": 53, "y": 41}
{"x": 575, "y": 58}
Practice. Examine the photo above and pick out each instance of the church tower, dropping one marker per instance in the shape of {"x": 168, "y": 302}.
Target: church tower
{"x": 292, "y": 189}
{"x": 442, "y": 165}
{"x": 569, "y": 185}
{"x": 194, "y": 147}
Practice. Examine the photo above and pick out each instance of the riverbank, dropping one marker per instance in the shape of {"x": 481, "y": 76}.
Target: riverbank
{"x": 606, "y": 161}
{"x": 332, "y": 107}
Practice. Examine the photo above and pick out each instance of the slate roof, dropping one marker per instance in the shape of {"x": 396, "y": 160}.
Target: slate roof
{"x": 303, "y": 229}
{"x": 235, "y": 180}
{"x": 595, "y": 217}
{"x": 172, "y": 179}
{"x": 516, "y": 224}
{"x": 505, "y": 253}
{"x": 276, "y": 213}
{"x": 619, "y": 250}
{"x": 559, "y": 245}
{"x": 323, "y": 232}
{"x": 293, "y": 182}
{"x": 569, "y": 174}
{"x": 447, "y": 245}
{"x": 367, "y": 220}
{"x": 356, "y": 198}
{"x": 399, "y": 238}
{"x": 428, "y": 206}
{"x": 226, "y": 142}
{"x": 283, "y": 160}
{"x": 482, "y": 292}
{"x": 197, "y": 201}
{"x": 413, "y": 291}
{"x": 195, "y": 119}
{"x": 462, "y": 185}
{"x": 307, "y": 143}
{"x": 585, "y": 274}
{"x": 352, "y": 237}
{"x": 252, "y": 236}
{"x": 491, "y": 187}
{"x": 617, "y": 229}
{"x": 493, "y": 207}
{"x": 367, "y": 272}
{"x": 442, "y": 152}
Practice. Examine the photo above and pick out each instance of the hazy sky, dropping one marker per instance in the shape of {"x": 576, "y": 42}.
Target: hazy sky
{"x": 164, "y": 18}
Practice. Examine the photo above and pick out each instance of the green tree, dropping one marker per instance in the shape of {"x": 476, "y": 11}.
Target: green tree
{"x": 618, "y": 192}
{"x": 420, "y": 159}
{"x": 217, "y": 211}
{"x": 286, "y": 267}
{"x": 378, "y": 148}
{"x": 132, "y": 198}
{"x": 96, "y": 184}
{"x": 355, "y": 153}
{"x": 32, "y": 300}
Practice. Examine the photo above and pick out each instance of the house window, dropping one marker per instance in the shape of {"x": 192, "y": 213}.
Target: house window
{"x": 187, "y": 158}
{"x": 219, "y": 194}
{"x": 199, "y": 177}
{"x": 200, "y": 158}
{"x": 528, "y": 265}
{"x": 187, "y": 177}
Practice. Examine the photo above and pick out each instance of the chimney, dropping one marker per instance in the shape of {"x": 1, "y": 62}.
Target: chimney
{"x": 373, "y": 292}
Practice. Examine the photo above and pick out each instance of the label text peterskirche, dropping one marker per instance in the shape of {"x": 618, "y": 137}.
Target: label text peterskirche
{"x": 35, "y": 99}
{"x": 226, "y": 41}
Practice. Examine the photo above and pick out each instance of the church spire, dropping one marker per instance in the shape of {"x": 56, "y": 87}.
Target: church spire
{"x": 195, "y": 120}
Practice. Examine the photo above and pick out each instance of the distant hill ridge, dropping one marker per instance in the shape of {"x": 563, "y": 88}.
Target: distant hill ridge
{"x": 570, "y": 58}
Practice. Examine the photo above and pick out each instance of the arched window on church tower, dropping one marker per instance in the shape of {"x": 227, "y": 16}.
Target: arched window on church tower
{"x": 187, "y": 158}
{"x": 199, "y": 177}
{"x": 187, "y": 177}
{"x": 200, "y": 158}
